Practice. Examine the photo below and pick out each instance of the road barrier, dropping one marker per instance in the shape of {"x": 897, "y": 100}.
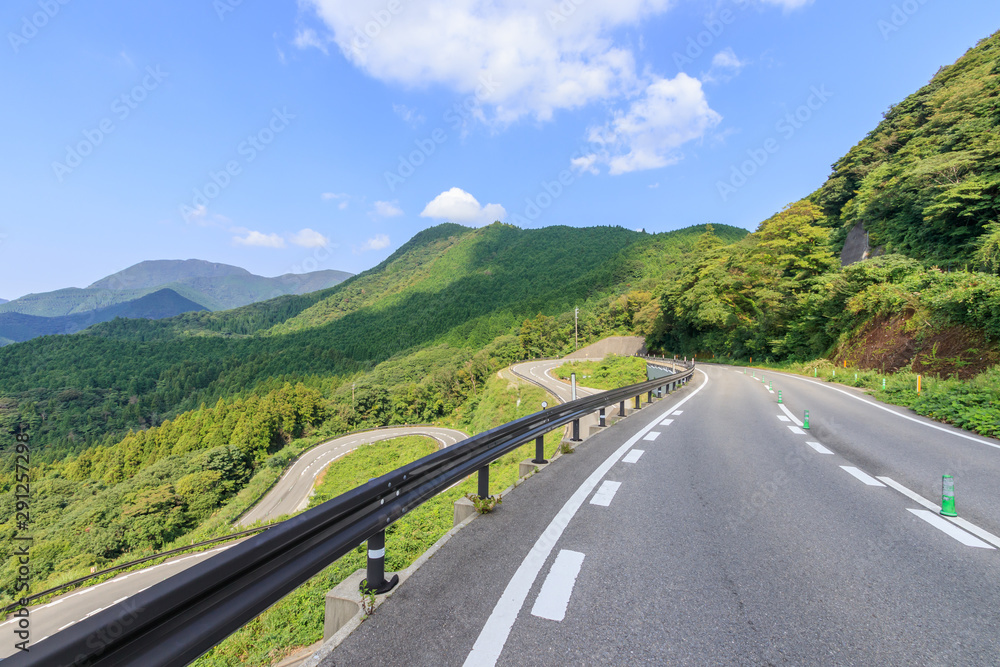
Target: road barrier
{"x": 178, "y": 619}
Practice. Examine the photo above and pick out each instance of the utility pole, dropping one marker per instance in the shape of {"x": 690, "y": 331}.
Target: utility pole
{"x": 576, "y": 329}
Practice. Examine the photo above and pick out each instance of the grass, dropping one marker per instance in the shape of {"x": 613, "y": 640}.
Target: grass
{"x": 297, "y": 620}
{"x": 611, "y": 372}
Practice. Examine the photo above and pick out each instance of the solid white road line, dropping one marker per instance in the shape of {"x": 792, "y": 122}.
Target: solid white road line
{"x": 950, "y": 530}
{"x": 796, "y": 430}
{"x": 867, "y": 479}
{"x": 554, "y": 597}
{"x": 650, "y": 437}
{"x": 784, "y": 418}
{"x": 957, "y": 520}
{"x": 952, "y": 431}
{"x": 666, "y": 422}
{"x": 606, "y": 493}
{"x": 788, "y": 413}
{"x": 819, "y": 448}
{"x": 493, "y": 636}
{"x": 633, "y": 456}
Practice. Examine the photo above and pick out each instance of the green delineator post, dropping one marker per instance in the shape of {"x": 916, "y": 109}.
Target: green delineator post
{"x": 883, "y": 384}
{"x": 816, "y": 372}
{"x": 948, "y": 496}
{"x": 770, "y": 385}
{"x": 805, "y": 422}
{"x": 779, "y": 396}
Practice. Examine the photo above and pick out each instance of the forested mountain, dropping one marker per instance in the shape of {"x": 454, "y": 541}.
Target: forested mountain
{"x": 17, "y": 327}
{"x": 211, "y": 285}
{"x": 450, "y": 284}
{"x": 926, "y": 181}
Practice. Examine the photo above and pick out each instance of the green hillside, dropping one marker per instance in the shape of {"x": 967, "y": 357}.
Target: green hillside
{"x": 450, "y": 284}
{"x": 210, "y": 285}
{"x": 17, "y": 327}
{"x": 926, "y": 181}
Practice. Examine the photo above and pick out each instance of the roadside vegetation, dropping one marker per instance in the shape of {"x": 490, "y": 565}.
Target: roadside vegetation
{"x": 609, "y": 373}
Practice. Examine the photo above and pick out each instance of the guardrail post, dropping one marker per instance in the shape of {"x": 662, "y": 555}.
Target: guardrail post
{"x": 539, "y": 450}
{"x": 376, "y": 580}
{"x": 649, "y": 396}
{"x": 638, "y": 402}
{"x": 603, "y": 418}
{"x": 484, "y": 482}
{"x": 576, "y": 430}
{"x": 621, "y": 410}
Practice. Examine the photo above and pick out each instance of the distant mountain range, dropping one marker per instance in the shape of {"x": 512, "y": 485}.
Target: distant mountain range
{"x": 151, "y": 290}
{"x": 3, "y": 300}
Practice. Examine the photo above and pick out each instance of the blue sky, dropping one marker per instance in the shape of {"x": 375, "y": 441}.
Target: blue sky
{"x": 286, "y": 137}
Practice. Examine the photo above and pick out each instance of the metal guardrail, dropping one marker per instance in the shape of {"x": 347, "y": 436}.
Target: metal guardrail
{"x": 175, "y": 621}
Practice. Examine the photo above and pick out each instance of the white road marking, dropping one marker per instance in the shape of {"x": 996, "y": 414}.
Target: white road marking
{"x": 898, "y": 414}
{"x": 651, "y": 436}
{"x": 788, "y": 413}
{"x": 606, "y": 493}
{"x": 819, "y": 448}
{"x": 784, "y": 418}
{"x": 857, "y": 474}
{"x": 957, "y": 520}
{"x": 66, "y": 626}
{"x": 490, "y": 642}
{"x": 666, "y": 422}
{"x": 677, "y": 412}
{"x": 796, "y": 430}
{"x": 554, "y": 597}
{"x": 950, "y": 530}
{"x": 633, "y": 456}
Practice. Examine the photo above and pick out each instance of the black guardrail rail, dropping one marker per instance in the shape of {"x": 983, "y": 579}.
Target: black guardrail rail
{"x": 175, "y": 621}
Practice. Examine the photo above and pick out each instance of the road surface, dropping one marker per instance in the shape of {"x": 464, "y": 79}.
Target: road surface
{"x": 289, "y": 495}
{"x": 712, "y": 528}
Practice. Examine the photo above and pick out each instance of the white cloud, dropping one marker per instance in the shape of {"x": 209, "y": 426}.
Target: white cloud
{"x": 307, "y": 38}
{"x": 725, "y": 66}
{"x": 377, "y": 242}
{"x": 457, "y": 205}
{"x": 343, "y": 199}
{"x": 523, "y": 57}
{"x": 585, "y": 163}
{"x": 387, "y": 209}
{"x": 410, "y": 116}
{"x": 516, "y": 59}
{"x": 668, "y": 114}
{"x": 259, "y": 239}
{"x": 308, "y": 238}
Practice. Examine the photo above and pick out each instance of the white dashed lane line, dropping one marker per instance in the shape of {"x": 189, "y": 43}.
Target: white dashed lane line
{"x": 605, "y": 494}
{"x": 677, "y": 412}
{"x": 796, "y": 430}
{"x": 666, "y": 422}
{"x": 784, "y": 418}
{"x": 950, "y": 529}
{"x": 651, "y": 436}
{"x": 982, "y": 534}
{"x": 554, "y": 597}
{"x": 861, "y": 476}
{"x": 633, "y": 456}
{"x": 819, "y": 448}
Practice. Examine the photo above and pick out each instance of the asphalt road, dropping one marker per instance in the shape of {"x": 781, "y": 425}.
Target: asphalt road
{"x": 288, "y": 496}
{"x": 291, "y": 493}
{"x": 732, "y": 536}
